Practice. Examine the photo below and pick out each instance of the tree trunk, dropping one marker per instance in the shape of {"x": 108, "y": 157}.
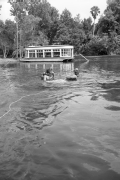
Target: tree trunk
{"x": 4, "y": 52}
{"x": 94, "y": 28}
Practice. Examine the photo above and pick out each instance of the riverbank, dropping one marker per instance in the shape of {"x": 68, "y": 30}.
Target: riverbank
{"x": 79, "y": 57}
{"x": 2, "y": 60}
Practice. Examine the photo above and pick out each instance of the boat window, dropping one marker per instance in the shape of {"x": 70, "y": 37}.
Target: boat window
{"x": 47, "y": 54}
{"x": 47, "y": 50}
{"x": 32, "y": 53}
{"x": 56, "y": 54}
{"x": 56, "y": 50}
{"x": 39, "y": 53}
{"x": 66, "y": 52}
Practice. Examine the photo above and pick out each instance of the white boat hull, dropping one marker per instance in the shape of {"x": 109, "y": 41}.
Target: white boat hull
{"x": 46, "y": 59}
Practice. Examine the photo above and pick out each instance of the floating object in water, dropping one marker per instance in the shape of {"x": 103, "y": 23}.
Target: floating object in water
{"x": 71, "y": 78}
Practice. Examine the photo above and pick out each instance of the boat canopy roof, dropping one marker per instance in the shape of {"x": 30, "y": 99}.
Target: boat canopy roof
{"x": 50, "y": 47}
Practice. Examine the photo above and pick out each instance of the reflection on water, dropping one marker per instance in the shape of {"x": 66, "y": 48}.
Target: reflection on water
{"x": 61, "y": 68}
{"x": 60, "y": 130}
{"x": 43, "y": 66}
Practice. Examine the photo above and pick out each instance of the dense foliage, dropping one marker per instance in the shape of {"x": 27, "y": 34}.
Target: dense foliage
{"x": 39, "y": 23}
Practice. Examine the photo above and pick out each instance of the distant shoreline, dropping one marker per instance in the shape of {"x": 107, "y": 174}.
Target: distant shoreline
{"x": 76, "y": 58}
{"x": 8, "y": 59}
{"x": 79, "y": 57}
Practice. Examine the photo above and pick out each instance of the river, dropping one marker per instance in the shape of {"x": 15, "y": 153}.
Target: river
{"x": 60, "y": 130}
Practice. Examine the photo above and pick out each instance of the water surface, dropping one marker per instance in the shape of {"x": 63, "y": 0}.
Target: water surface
{"x": 60, "y": 130}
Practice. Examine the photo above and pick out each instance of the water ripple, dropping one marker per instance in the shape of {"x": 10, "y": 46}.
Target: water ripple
{"x": 60, "y": 130}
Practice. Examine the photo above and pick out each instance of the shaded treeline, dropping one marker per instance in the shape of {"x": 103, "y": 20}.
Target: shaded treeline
{"x": 39, "y": 23}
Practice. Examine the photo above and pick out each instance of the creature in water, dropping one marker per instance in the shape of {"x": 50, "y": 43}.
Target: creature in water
{"x": 48, "y": 75}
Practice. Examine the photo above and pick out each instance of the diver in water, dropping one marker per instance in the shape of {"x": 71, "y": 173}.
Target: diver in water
{"x": 76, "y": 72}
{"x": 48, "y": 74}
{"x": 74, "y": 76}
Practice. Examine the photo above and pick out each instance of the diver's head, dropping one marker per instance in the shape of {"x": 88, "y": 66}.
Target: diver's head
{"x": 76, "y": 71}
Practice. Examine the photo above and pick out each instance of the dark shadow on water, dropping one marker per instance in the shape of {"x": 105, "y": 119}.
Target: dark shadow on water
{"x": 113, "y": 108}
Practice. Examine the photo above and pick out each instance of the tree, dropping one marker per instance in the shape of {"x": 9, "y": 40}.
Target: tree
{"x": 87, "y": 25}
{"x": 110, "y": 1}
{"x": 18, "y": 10}
{"x": 107, "y": 24}
{"x": 53, "y": 26}
{"x": 77, "y": 18}
{"x": 62, "y": 35}
{"x": 66, "y": 23}
{"x": 94, "y": 11}
{"x": 77, "y": 38}
{"x": 96, "y": 46}
{"x": 114, "y": 6}
{"x": 0, "y": 8}
{"x": 30, "y": 33}
{"x": 48, "y": 16}
{"x": 7, "y": 36}
{"x": 66, "y": 18}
